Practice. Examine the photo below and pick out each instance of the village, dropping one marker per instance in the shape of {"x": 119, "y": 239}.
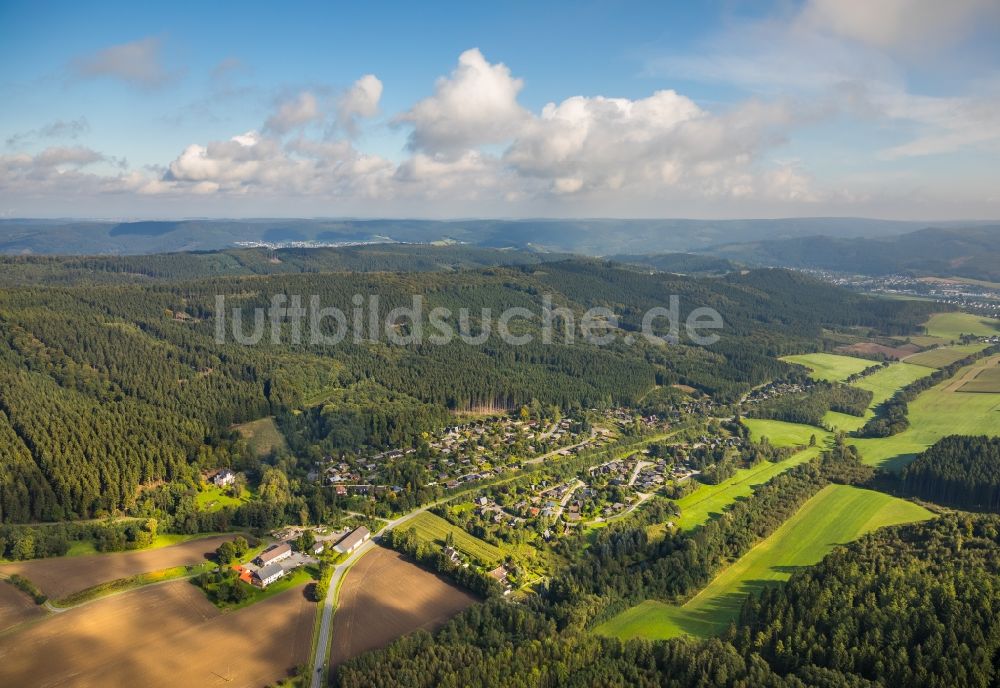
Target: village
{"x": 473, "y": 452}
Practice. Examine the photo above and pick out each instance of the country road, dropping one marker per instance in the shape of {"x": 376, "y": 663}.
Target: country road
{"x": 330, "y": 603}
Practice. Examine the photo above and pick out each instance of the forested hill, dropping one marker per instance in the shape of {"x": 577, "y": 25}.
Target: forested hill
{"x": 972, "y": 252}
{"x": 107, "y": 387}
{"x": 387, "y": 257}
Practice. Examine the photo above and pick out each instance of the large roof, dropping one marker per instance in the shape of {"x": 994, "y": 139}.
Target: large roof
{"x": 275, "y": 551}
{"x": 267, "y": 571}
{"x": 354, "y": 539}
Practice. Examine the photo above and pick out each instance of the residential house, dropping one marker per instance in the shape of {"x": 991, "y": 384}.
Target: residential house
{"x": 274, "y": 554}
{"x": 270, "y": 573}
{"x": 224, "y": 478}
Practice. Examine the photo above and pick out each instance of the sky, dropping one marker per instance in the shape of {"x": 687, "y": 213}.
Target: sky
{"x": 712, "y": 109}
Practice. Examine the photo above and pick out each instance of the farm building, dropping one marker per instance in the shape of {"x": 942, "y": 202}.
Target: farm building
{"x": 224, "y": 478}
{"x": 353, "y": 540}
{"x": 274, "y": 554}
{"x": 270, "y": 573}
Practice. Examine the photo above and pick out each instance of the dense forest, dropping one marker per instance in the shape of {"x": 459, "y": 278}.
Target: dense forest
{"x": 104, "y": 388}
{"x": 959, "y": 471}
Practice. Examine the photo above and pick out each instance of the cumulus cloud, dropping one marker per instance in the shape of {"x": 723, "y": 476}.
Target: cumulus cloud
{"x": 472, "y": 141}
{"x": 359, "y": 101}
{"x": 137, "y": 64}
{"x": 296, "y": 112}
{"x": 475, "y": 105}
{"x": 265, "y": 165}
{"x": 59, "y": 129}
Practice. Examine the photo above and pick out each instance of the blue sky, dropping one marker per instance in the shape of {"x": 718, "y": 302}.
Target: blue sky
{"x": 614, "y": 109}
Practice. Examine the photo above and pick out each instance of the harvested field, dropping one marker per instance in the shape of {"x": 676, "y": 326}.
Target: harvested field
{"x": 60, "y": 576}
{"x": 163, "y": 635}
{"x": 986, "y": 381}
{"x": 897, "y": 352}
{"x": 16, "y": 607}
{"x": 384, "y": 597}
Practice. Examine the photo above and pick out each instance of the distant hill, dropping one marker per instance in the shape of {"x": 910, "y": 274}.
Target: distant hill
{"x": 679, "y": 263}
{"x": 972, "y": 252}
{"x": 586, "y": 237}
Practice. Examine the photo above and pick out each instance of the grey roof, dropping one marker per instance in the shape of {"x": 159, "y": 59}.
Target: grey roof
{"x": 269, "y": 570}
{"x": 354, "y": 539}
{"x": 276, "y": 551}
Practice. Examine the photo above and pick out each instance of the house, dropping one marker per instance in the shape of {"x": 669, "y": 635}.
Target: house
{"x": 224, "y": 478}
{"x": 270, "y": 573}
{"x": 274, "y": 554}
{"x": 353, "y": 540}
{"x": 499, "y": 574}
{"x": 318, "y": 547}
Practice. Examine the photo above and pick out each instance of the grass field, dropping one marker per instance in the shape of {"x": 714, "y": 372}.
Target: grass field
{"x": 882, "y": 384}
{"x": 782, "y": 434}
{"x": 836, "y": 515}
{"x": 945, "y": 355}
{"x": 699, "y": 506}
{"x": 829, "y": 367}
{"x": 433, "y": 528}
{"x": 936, "y": 413}
{"x": 951, "y": 326}
{"x": 262, "y": 436}
{"x": 214, "y": 498}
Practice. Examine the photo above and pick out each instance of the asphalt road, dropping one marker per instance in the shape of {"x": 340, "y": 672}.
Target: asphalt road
{"x": 330, "y": 603}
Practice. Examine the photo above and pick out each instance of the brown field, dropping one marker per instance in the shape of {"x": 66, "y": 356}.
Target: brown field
{"x": 986, "y": 381}
{"x": 16, "y": 607}
{"x": 60, "y": 576}
{"x": 383, "y": 597}
{"x": 162, "y": 635}
{"x": 893, "y": 352}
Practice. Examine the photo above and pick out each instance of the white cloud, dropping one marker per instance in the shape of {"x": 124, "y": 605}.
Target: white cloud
{"x": 476, "y": 105}
{"x": 359, "y": 101}
{"x": 137, "y": 63}
{"x": 78, "y": 156}
{"x": 897, "y": 25}
{"x": 296, "y": 112}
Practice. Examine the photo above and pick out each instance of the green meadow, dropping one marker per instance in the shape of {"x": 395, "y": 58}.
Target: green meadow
{"x": 431, "y": 528}
{"x": 934, "y": 414}
{"x": 953, "y": 325}
{"x": 829, "y": 367}
{"x": 942, "y": 356}
{"x": 882, "y": 384}
{"x": 837, "y": 514}
{"x": 782, "y": 434}
{"x": 699, "y": 506}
